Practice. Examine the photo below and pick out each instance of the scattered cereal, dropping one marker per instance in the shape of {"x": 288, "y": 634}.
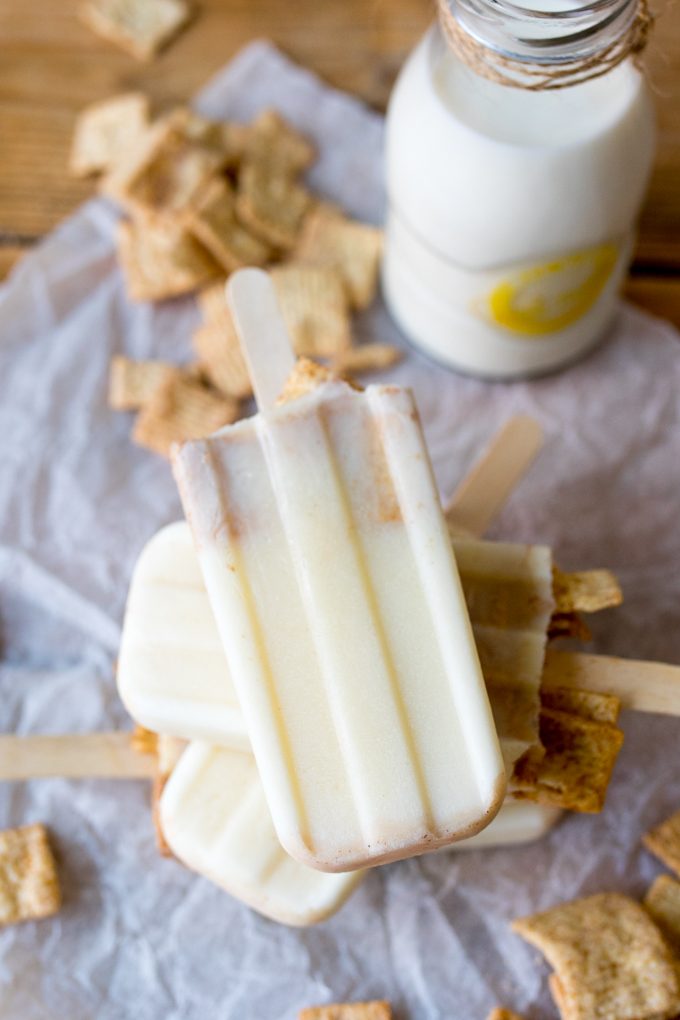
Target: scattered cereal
{"x": 664, "y": 842}
{"x": 181, "y": 409}
{"x": 212, "y": 219}
{"x": 271, "y": 203}
{"x": 602, "y": 708}
{"x": 276, "y": 142}
{"x": 662, "y": 903}
{"x": 131, "y": 383}
{"x": 587, "y": 591}
{"x": 141, "y": 27}
{"x": 304, "y": 378}
{"x": 378, "y": 1010}
{"x": 314, "y": 305}
{"x": 104, "y": 130}
{"x": 575, "y": 770}
{"x": 161, "y": 259}
{"x": 609, "y": 958}
{"x": 29, "y": 886}
{"x": 168, "y": 167}
{"x": 366, "y": 358}
{"x": 330, "y": 238}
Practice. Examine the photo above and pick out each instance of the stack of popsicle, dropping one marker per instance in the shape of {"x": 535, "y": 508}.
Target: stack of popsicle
{"x": 344, "y": 633}
{"x": 174, "y": 677}
{"x": 329, "y": 677}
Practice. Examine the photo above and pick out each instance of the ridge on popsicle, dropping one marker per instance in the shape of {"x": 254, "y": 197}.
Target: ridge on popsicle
{"x": 360, "y": 686}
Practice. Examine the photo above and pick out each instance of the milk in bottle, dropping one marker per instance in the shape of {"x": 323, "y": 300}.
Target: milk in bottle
{"x": 511, "y": 208}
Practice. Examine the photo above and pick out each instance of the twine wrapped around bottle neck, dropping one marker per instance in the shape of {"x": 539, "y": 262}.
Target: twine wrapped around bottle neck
{"x": 534, "y": 77}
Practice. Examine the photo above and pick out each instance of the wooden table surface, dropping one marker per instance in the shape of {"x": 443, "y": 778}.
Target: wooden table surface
{"x": 51, "y": 66}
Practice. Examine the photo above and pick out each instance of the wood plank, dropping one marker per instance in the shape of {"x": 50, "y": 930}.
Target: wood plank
{"x": 36, "y": 192}
{"x": 51, "y": 66}
{"x": 9, "y": 256}
{"x": 658, "y": 295}
{"x": 659, "y": 237}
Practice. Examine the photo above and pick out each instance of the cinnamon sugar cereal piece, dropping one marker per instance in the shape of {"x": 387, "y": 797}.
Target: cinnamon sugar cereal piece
{"x": 212, "y": 219}
{"x": 587, "y": 591}
{"x": 169, "y": 751}
{"x": 330, "y": 238}
{"x": 662, "y": 903}
{"x": 270, "y": 202}
{"x": 181, "y": 409}
{"x": 503, "y": 1014}
{"x": 563, "y": 625}
{"x": 575, "y": 770}
{"x": 161, "y": 259}
{"x": 212, "y": 302}
{"x": 314, "y": 306}
{"x": 304, "y": 378}
{"x": 173, "y": 161}
{"x": 602, "y": 708}
{"x": 226, "y": 138}
{"x": 221, "y": 360}
{"x": 144, "y": 741}
{"x": 273, "y": 140}
{"x": 219, "y": 347}
{"x": 610, "y": 959}
{"x": 366, "y": 358}
{"x": 131, "y": 383}
{"x": 29, "y": 886}
{"x": 105, "y": 130}
{"x": 664, "y": 842}
{"x": 377, "y": 1010}
{"x": 141, "y": 27}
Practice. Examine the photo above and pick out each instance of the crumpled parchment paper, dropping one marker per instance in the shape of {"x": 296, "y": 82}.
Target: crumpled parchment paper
{"x": 139, "y": 937}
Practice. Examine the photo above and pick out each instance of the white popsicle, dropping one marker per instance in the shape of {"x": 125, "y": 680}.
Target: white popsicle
{"x": 172, "y": 673}
{"x": 216, "y": 821}
{"x": 328, "y": 567}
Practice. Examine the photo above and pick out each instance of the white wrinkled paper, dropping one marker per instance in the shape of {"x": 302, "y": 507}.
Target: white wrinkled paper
{"x": 141, "y": 938}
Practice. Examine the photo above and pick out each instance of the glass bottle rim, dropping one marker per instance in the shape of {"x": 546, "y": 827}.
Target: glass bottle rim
{"x": 551, "y": 32}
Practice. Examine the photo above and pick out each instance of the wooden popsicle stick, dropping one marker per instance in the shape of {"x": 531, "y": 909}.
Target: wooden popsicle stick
{"x": 484, "y": 490}
{"x": 73, "y": 756}
{"x": 262, "y": 332}
{"x": 641, "y": 686}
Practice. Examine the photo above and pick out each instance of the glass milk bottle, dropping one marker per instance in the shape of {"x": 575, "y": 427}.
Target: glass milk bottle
{"x": 519, "y": 145}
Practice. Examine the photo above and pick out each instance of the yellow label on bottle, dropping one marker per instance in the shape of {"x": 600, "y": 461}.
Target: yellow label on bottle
{"x": 547, "y": 298}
